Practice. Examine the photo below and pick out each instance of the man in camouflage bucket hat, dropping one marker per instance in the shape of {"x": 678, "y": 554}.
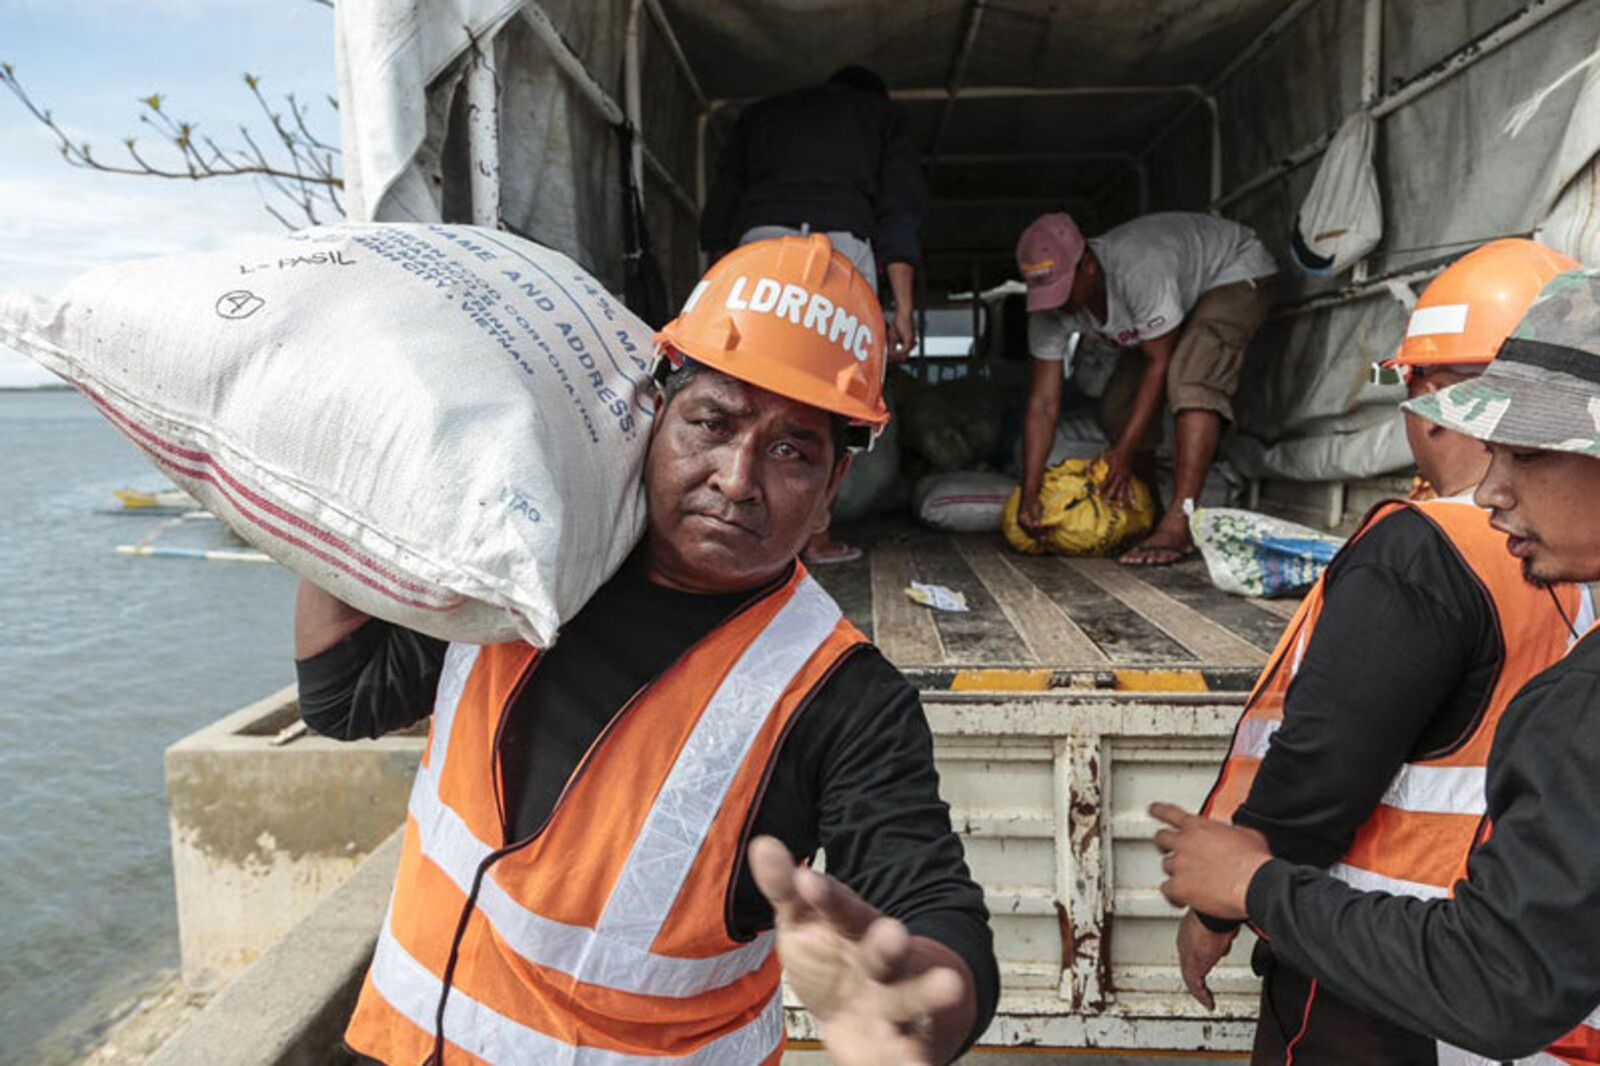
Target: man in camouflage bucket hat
{"x": 1543, "y": 390}
{"x": 1510, "y": 960}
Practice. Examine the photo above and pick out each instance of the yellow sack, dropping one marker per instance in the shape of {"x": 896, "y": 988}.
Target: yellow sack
{"x": 1078, "y": 521}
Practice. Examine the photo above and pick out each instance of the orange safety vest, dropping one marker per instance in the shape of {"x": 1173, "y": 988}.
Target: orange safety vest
{"x": 602, "y": 940}
{"x": 1418, "y": 839}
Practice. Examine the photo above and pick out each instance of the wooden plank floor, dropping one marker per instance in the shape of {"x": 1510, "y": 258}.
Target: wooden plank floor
{"x": 1066, "y": 616}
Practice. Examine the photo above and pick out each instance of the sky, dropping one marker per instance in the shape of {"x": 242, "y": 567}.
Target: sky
{"x": 89, "y": 62}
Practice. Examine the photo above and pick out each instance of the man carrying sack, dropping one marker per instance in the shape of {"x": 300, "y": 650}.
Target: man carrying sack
{"x": 601, "y": 850}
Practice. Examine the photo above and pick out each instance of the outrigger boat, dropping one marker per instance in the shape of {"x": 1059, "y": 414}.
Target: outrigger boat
{"x": 160, "y": 499}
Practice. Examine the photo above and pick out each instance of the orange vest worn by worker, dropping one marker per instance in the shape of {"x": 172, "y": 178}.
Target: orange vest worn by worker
{"x": 605, "y": 935}
{"x": 1417, "y": 841}
{"x": 603, "y": 940}
{"x": 1478, "y": 301}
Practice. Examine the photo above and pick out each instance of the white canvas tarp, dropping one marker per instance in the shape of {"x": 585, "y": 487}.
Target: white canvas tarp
{"x": 389, "y": 52}
{"x": 1571, "y": 196}
{"x": 1449, "y": 176}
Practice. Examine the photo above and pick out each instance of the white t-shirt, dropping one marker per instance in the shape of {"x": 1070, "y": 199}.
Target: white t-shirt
{"x": 1156, "y": 268}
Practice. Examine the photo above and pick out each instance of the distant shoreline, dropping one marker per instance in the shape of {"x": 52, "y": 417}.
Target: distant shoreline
{"x": 54, "y": 387}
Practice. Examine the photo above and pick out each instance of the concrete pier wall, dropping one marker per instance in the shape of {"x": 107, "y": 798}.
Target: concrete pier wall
{"x": 290, "y": 1006}
{"x": 266, "y": 820}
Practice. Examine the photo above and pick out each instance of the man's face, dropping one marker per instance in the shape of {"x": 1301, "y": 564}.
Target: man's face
{"x": 1450, "y": 461}
{"x": 1085, "y": 280}
{"x": 737, "y": 479}
{"x": 1544, "y": 501}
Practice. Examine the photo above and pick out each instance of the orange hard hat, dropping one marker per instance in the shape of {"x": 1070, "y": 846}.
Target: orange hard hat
{"x": 1467, "y": 311}
{"x": 792, "y": 316}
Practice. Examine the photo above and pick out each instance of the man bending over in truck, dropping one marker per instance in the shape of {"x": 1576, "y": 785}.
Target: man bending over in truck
{"x": 605, "y": 847}
{"x": 1187, "y": 292}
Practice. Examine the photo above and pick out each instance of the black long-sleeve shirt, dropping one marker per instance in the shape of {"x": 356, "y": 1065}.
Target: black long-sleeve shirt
{"x": 1399, "y": 667}
{"x": 1512, "y": 962}
{"x": 830, "y": 155}
{"x": 854, "y": 777}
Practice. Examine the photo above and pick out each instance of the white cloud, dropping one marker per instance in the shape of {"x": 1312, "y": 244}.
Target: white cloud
{"x": 54, "y": 224}
{"x": 20, "y": 372}
{"x": 53, "y": 228}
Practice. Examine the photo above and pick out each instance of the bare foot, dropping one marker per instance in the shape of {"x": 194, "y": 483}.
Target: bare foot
{"x": 1161, "y": 548}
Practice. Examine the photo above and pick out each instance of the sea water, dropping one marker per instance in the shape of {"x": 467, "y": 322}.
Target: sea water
{"x": 105, "y": 660}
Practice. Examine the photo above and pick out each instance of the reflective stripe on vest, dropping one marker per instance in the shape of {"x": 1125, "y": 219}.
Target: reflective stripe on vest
{"x": 572, "y": 949}
{"x": 1367, "y": 881}
{"x": 459, "y": 659}
{"x": 684, "y": 762}
{"x": 1418, "y": 839}
{"x": 667, "y": 845}
{"x": 1426, "y": 789}
{"x": 1253, "y": 736}
{"x": 412, "y": 990}
{"x": 1416, "y": 843}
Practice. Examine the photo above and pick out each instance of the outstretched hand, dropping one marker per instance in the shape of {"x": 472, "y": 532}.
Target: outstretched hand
{"x": 1208, "y": 863}
{"x": 877, "y": 997}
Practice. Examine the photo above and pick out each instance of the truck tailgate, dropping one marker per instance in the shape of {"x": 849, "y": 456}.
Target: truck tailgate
{"x": 1070, "y": 695}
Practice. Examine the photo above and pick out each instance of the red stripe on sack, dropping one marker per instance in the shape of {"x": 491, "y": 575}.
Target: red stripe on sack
{"x": 339, "y": 564}
{"x": 259, "y": 501}
{"x": 946, "y": 501}
{"x": 310, "y": 549}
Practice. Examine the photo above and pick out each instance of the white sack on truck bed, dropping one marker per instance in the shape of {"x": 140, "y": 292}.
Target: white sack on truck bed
{"x": 963, "y": 502}
{"x": 443, "y": 426}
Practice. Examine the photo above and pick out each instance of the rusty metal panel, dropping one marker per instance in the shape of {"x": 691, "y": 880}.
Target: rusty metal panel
{"x": 1049, "y": 791}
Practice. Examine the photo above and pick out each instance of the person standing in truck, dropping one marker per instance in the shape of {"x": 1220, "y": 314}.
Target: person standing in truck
{"x": 836, "y": 158}
{"x": 1184, "y": 293}
{"x": 1491, "y": 952}
{"x": 1385, "y": 691}
{"x": 605, "y": 848}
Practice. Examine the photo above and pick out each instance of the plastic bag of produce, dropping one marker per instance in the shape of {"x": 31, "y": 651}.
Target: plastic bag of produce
{"x": 441, "y": 425}
{"x": 1078, "y": 520}
{"x": 1250, "y": 554}
{"x": 967, "y": 502}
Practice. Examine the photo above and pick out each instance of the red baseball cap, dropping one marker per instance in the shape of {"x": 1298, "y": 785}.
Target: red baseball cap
{"x": 1047, "y": 255}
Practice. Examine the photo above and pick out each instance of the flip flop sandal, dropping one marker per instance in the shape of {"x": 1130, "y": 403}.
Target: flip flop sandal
{"x": 849, "y": 554}
{"x": 1164, "y": 555}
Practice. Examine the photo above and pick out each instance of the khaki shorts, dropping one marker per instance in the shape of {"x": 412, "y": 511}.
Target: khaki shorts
{"x": 1204, "y": 373}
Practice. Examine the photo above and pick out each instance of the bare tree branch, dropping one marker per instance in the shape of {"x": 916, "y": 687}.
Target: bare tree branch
{"x": 302, "y": 170}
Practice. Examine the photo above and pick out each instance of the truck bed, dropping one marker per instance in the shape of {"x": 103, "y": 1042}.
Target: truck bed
{"x": 1071, "y": 694}
{"x": 1041, "y": 622}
